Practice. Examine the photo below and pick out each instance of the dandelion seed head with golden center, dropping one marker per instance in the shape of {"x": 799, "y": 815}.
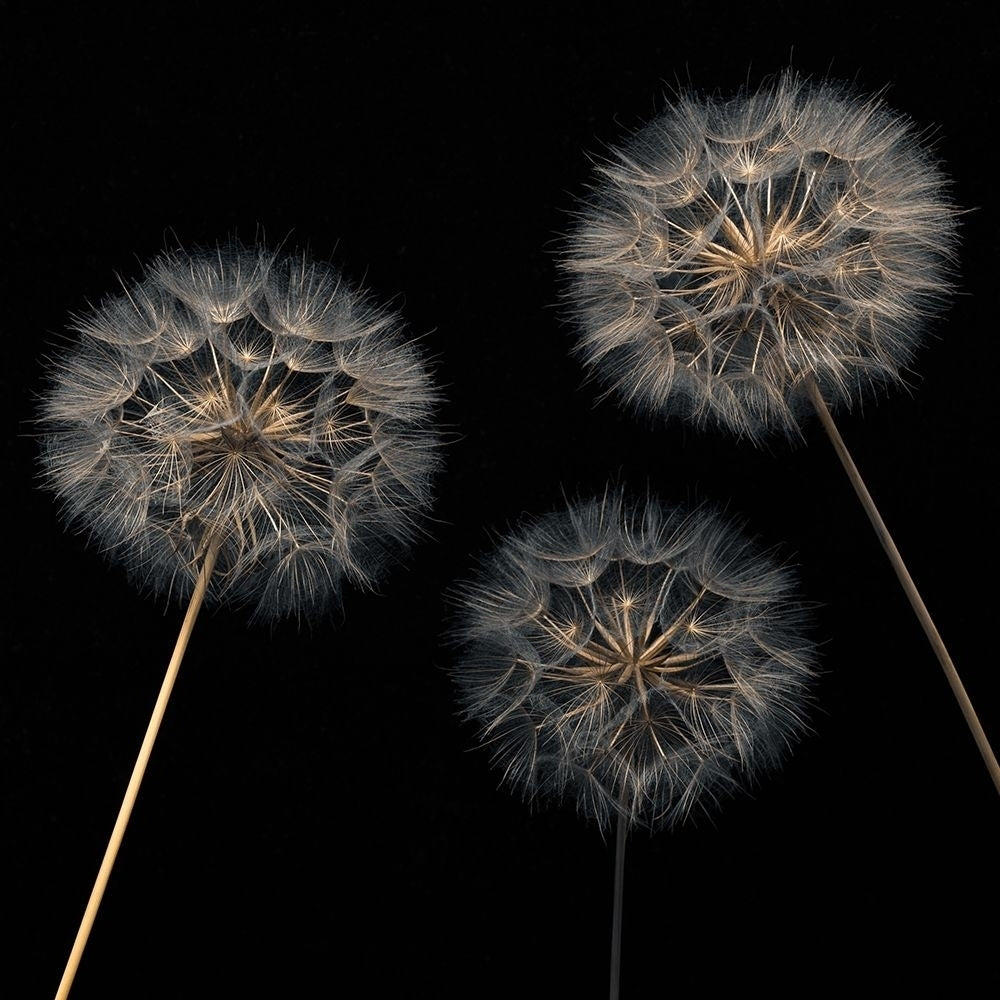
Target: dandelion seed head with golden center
{"x": 251, "y": 401}
{"x": 638, "y": 660}
{"x": 733, "y": 250}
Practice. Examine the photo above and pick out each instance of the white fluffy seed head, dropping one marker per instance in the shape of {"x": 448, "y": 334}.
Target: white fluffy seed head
{"x": 250, "y": 401}
{"x": 642, "y": 661}
{"x": 732, "y": 250}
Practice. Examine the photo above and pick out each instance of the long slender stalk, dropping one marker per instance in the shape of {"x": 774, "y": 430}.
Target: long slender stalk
{"x": 616, "y": 920}
{"x": 125, "y": 812}
{"x": 923, "y": 615}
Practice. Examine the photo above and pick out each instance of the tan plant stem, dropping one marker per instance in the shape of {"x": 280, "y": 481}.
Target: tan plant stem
{"x": 909, "y": 587}
{"x": 616, "y": 919}
{"x": 125, "y": 812}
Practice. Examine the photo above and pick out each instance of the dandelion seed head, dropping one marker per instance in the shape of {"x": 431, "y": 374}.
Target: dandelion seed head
{"x": 734, "y": 249}
{"x": 641, "y": 661}
{"x": 251, "y": 401}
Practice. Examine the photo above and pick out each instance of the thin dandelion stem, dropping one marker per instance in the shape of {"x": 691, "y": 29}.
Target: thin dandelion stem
{"x": 138, "y": 771}
{"x": 616, "y": 919}
{"x": 909, "y": 587}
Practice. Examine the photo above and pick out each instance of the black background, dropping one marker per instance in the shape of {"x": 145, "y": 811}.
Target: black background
{"x": 314, "y": 815}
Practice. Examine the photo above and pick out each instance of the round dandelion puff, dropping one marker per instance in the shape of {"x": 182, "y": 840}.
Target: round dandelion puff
{"x": 253, "y": 403}
{"x": 242, "y": 426}
{"x": 639, "y": 661}
{"x": 734, "y": 252}
{"x": 747, "y": 262}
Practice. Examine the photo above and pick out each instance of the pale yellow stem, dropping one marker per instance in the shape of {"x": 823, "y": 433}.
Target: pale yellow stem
{"x": 138, "y": 771}
{"x": 909, "y": 587}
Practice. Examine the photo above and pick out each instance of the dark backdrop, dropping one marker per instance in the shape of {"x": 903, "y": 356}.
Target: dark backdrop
{"x": 314, "y": 814}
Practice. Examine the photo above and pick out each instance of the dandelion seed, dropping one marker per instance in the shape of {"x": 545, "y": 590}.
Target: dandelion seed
{"x": 749, "y": 261}
{"x": 238, "y": 426}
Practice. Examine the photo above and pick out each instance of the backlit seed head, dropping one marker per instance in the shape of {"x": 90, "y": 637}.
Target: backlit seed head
{"x": 248, "y": 400}
{"x": 638, "y": 660}
{"x": 734, "y": 249}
